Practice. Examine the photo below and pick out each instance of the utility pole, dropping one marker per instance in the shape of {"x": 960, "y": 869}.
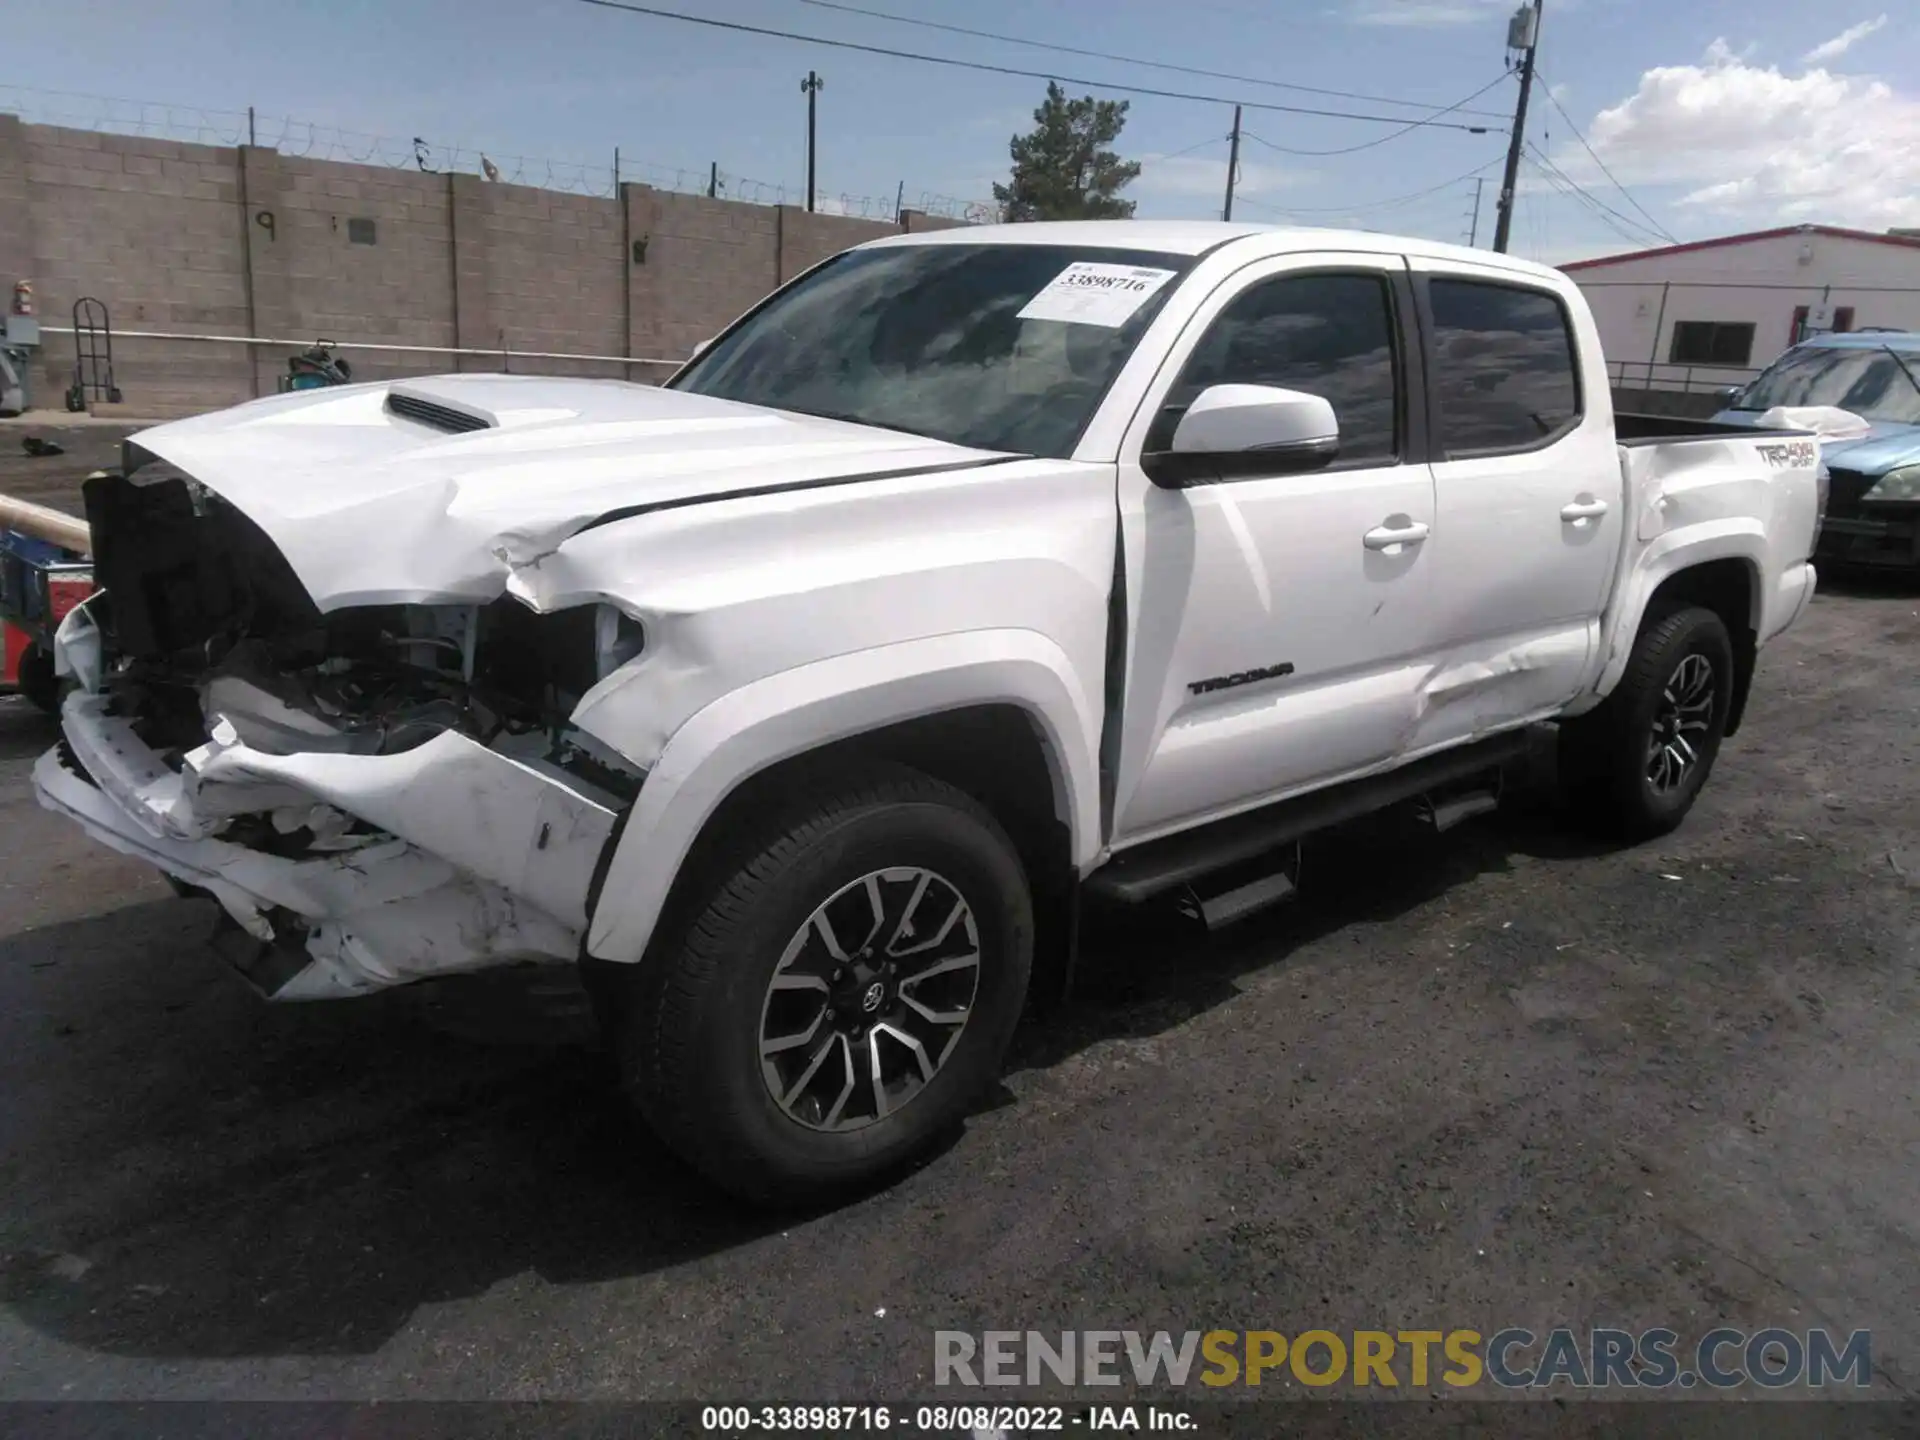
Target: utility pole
{"x": 811, "y": 86}
{"x": 1233, "y": 165}
{"x": 1523, "y": 34}
{"x": 1473, "y": 235}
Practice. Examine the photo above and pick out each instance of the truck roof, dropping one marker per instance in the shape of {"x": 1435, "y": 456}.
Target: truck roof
{"x": 1196, "y": 237}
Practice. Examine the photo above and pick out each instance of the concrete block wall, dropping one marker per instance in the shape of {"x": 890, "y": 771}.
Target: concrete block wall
{"x": 17, "y": 245}
{"x": 311, "y": 279}
{"x": 245, "y": 241}
{"x": 151, "y": 228}
{"x": 807, "y": 239}
{"x": 706, "y": 262}
{"x": 553, "y": 271}
{"x": 915, "y": 222}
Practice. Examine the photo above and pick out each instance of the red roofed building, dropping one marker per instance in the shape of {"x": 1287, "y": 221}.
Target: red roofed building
{"x": 1709, "y": 314}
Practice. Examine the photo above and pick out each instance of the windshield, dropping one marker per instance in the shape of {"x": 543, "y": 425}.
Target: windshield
{"x": 965, "y": 343}
{"x": 1870, "y": 383}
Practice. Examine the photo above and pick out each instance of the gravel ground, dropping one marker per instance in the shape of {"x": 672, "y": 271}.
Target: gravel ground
{"x": 1499, "y": 1077}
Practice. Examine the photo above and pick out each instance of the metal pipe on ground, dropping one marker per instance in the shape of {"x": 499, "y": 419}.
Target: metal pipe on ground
{"x": 44, "y": 523}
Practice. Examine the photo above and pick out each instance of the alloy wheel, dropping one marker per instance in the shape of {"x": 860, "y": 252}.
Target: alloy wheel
{"x": 869, "y": 999}
{"x": 1681, "y": 723}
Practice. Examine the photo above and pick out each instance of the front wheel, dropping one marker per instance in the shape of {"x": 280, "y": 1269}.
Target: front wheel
{"x": 1633, "y": 767}
{"x": 841, "y": 988}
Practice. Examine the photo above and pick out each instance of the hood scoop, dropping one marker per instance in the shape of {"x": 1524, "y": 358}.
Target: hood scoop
{"x": 410, "y": 404}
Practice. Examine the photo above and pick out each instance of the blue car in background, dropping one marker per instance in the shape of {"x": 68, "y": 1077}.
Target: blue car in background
{"x": 1873, "y": 504}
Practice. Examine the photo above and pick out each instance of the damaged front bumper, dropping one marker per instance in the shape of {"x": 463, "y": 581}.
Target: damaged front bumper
{"x": 477, "y": 859}
{"x": 374, "y": 797}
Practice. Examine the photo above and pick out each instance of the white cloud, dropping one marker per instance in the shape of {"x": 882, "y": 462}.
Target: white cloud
{"x": 1721, "y": 53}
{"x": 1198, "y": 176}
{"x": 1427, "y": 12}
{"x": 1839, "y": 45}
{"x": 1754, "y": 145}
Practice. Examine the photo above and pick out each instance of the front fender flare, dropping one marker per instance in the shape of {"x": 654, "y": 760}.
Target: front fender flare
{"x": 795, "y": 711}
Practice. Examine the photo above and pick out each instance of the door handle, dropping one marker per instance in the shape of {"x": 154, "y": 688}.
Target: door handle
{"x": 1382, "y": 538}
{"x": 1583, "y": 510}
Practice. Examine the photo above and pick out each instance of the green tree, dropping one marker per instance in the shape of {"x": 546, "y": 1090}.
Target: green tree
{"x": 1064, "y": 169}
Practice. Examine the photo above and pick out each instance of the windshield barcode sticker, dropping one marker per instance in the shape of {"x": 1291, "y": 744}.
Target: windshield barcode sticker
{"x": 1088, "y": 294}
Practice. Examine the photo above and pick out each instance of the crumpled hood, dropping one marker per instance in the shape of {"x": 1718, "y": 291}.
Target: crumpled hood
{"x": 370, "y": 507}
{"x": 1884, "y": 447}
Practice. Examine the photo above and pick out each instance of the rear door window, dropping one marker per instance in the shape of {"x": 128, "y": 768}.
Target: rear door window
{"x": 1504, "y": 377}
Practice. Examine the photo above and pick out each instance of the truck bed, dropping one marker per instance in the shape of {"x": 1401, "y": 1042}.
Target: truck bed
{"x": 1631, "y": 429}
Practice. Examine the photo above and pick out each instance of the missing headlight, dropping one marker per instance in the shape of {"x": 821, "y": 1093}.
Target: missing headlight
{"x": 618, "y": 638}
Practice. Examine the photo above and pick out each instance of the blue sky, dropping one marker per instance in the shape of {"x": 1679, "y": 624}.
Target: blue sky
{"x": 1719, "y": 115}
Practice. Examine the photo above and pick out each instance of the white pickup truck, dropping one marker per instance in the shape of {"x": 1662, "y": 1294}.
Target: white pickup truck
{"x": 802, "y": 701}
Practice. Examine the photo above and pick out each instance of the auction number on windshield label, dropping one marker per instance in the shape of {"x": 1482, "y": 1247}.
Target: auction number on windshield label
{"x": 1089, "y": 294}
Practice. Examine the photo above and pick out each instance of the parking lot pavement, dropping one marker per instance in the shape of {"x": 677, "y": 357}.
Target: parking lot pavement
{"x": 1494, "y": 1078}
{"x": 55, "y": 479}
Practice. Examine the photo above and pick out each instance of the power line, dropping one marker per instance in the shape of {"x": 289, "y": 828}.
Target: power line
{"x": 1375, "y": 204}
{"x": 1554, "y": 172}
{"x": 1131, "y": 59}
{"x": 1382, "y": 140}
{"x": 1176, "y": 154}
{"x": 981, "y": 65}
{"x": 1564, "y": 188}
{"x": 1658, "y": 228}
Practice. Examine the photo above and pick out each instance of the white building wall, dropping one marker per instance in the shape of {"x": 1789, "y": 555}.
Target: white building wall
{"x": 1760, "y": 282}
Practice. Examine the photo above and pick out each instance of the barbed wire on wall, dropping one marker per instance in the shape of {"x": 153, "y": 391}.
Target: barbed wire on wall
{"x": 313, "y": 140}
{"x": 121, "y": 116}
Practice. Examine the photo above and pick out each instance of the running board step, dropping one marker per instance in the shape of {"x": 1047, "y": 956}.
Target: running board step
{"x": 1152, "y": 869}
{"x": 1250, "y": 899}
{"x": 1443, "y": 815}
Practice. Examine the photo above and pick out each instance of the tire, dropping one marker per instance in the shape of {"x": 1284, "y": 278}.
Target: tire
{"x": 37, "y": 681}
{"x": 1615, "y": 778}
{"x": 690, "y": 1023}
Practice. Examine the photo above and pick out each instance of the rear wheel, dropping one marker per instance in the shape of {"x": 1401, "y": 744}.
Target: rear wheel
{"x": 842, "y": 986}
{"x": 1633, "y": 767}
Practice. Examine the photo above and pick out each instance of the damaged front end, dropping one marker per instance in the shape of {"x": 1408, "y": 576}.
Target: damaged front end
{"x": 374, "y": 795}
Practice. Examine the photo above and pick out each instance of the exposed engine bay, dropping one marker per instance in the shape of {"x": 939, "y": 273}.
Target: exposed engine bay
{"x": 373, "y": 794}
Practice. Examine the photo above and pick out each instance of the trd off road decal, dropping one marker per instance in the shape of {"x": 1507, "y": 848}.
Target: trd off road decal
{"x": 1800, "y": 452}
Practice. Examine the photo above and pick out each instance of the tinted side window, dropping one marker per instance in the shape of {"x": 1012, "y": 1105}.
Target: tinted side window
{"x": 1503, "y": 373}
{"x": 1328, "y": 335}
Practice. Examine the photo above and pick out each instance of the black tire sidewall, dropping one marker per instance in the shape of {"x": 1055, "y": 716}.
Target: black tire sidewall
{"x": 36, "y": 679}
{"x": 1689, "y": 632}
{"x": 969, "y": 853}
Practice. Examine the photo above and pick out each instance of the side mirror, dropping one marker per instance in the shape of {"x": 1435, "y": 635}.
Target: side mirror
{"x": 700, "y": 348}
{"x": 1728, "y": 394}
{"x": 1232, "y": 430}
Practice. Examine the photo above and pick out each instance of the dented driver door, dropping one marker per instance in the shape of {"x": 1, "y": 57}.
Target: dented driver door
{"x": 1278, "y": 623}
